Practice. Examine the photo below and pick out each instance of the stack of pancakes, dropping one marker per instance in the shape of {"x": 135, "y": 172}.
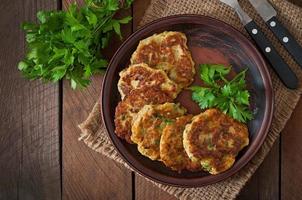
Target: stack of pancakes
{"x": 160, "y": 68}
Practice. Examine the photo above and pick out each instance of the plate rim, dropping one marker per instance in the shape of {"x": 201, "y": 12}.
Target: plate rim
{"x": 253, "y": 149}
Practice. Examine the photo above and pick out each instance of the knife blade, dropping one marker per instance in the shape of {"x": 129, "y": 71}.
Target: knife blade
{"x": 268, "y": 14}
{"x": 286, "y": 75}
{"x": 265, "y": 10}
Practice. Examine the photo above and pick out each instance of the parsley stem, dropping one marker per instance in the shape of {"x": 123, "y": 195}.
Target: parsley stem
{"x": 103, "y": 23}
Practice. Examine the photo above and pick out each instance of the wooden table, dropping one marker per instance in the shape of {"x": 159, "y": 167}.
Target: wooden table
{"x": 41, "y": 157}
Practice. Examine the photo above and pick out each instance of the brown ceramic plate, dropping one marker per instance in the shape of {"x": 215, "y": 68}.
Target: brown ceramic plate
{"x": 210, "y": 41}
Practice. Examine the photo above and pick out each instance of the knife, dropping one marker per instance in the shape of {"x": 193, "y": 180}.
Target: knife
{"x": 268, "y": 14}
{"x": 283, "y": 71}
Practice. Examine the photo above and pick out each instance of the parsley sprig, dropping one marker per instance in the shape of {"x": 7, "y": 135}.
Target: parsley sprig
{"x": 231, "y": 97}
{"x": 68, "y": 44}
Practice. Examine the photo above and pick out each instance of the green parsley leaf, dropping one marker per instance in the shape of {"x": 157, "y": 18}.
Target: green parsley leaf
{"x": 22, "y": 65}
{"x": 128, "y": 3}
{"x": 117, "y": 28}
{"x": 91, "y": 18}
{"x": 125, "y": 20}
{"x": 231, "y": 97}
{"x": 208, "y": 98}
{"x": 67, "y": 44}
{"x": 112, "y": 5}
{"x": 59, "y": 72}
{"x": 210, "y": 73}
{"x": 73, "y": 84}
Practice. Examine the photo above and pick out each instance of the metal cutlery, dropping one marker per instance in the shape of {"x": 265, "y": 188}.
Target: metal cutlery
{"x": 284, "y": 72}
{"x": 268, "y": 14}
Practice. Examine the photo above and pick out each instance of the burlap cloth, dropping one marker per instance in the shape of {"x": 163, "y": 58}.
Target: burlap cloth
{"x": 94, "y": 133}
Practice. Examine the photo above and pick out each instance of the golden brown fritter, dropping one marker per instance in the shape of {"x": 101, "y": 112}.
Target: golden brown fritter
{"x": 214, "y": 139}
{"x": 167, "y": 51}
{"x": 148, "y": 125}
{"x": 140, "y": 75}
{"x": 129, "y": 107}
{"x": 172, "y": 152}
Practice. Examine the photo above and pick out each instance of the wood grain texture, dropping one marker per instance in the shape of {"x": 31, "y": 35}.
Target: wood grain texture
{"x": 139, "y": 8}
{"x": 146, "y": 190}
{"x": 29, "y": 132}
{"x": 86, "y": 173}
{"x": 291, "y": 157}
{"x": 29, "y": 114}
{"x": 264, "y": 184}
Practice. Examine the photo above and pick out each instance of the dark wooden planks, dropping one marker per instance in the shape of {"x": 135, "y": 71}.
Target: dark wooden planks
{"x": 86, "y": 173}
{"x": 29, "y": 115}
{"x": 147, "y": 190}
{"x": 139, "y": 8}
{"x": 291, "y": 157}
{"x": 264, "y": 184}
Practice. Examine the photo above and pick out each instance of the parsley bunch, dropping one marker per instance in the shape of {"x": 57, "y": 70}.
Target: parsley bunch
{"x": 231, "y": 97}
{"x": 67, "y": 44}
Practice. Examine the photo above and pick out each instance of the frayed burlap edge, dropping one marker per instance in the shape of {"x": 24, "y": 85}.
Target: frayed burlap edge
{"x": 94, "y": 133}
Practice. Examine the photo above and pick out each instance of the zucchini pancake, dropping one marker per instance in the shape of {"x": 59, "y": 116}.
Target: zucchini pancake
{"x": 140, "y": 75}
{"x": 149, "y": 124}
{"x": 130, "y": 106}
{"x": 167, "y": 51}
{"x": 214, "y": 139}
{"x": 172, "y": 152}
